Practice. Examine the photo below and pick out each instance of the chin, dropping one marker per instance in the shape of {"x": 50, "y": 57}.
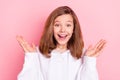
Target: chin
{"x": 62, "y": 43}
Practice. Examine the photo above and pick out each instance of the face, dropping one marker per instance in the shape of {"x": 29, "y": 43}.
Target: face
{"x": 63, "y": 29}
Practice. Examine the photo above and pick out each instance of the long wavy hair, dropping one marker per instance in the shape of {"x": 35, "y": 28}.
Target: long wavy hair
{"x": 48, "y": 42}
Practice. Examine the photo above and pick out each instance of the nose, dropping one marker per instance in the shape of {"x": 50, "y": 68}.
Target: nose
{"x": 62, "y": 29}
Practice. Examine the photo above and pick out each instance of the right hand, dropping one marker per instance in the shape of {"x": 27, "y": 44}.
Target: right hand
{"x": 25, "y": 45}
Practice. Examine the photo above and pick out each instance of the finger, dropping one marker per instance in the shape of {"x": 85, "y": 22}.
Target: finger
{"x": 88, "y": 49}
{"x": 100, "y": 48}
{"x": 98, "y": 53}
{"x": 29, "y": 48}
{"x": 22, "y": 42}
{"x": 20, "y": 39}
{"x": 24, "y": 48}
{"x": 101, "y": 45}
{"x": 98, "y": 43}
{"x": 33, "y": 45}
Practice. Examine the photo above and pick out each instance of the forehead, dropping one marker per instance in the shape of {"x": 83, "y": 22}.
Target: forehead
{"x": 64, "y": 17}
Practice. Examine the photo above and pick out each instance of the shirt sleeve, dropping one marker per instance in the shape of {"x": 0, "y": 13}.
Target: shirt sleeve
{"x": 31, "y": 68}
{"x": 88, "y": 69}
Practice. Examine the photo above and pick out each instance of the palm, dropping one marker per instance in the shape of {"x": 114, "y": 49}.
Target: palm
{"x": 94, "y": 51}
{"x": 25, "y": 45}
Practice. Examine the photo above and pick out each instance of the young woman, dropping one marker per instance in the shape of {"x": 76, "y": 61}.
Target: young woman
{"x": 60, "y": 55}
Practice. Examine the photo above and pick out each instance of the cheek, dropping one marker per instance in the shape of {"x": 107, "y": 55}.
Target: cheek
{"x": 70, "y": 31}
{"x": 55, "y": 31}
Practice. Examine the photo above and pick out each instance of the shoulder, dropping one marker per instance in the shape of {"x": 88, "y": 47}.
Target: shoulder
{"x": 39, "y": 53}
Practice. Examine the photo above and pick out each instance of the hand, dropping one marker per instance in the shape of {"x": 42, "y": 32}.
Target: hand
{"x": 95, "y": 51}
{"x": 25, "y": 45}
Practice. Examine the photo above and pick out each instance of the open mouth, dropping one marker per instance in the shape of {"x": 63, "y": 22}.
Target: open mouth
{"x": 62, "y": 36}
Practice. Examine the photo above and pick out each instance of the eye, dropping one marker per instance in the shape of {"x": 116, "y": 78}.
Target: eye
{"x": 57, "y": 25}
{"x": 68, "y": 25}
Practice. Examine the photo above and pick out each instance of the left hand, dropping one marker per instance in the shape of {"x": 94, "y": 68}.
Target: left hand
{"x": 95, "y": 51}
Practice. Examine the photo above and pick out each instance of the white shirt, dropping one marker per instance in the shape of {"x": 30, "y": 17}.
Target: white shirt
{"x": 60, "y": 66}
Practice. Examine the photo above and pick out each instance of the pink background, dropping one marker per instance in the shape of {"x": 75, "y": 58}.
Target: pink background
{"x": 98, "y": 18}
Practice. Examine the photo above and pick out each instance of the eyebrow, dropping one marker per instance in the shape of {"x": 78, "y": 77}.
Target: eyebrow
{"x": 67, "y": 21}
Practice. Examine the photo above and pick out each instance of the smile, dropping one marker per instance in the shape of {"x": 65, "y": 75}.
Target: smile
{"x": 62, "y": 36}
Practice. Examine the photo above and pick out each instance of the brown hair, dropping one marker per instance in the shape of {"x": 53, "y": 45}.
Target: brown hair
{"x": 48, "y": 42}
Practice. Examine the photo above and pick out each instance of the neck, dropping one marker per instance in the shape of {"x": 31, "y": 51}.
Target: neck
{"x": 61, "y": 48}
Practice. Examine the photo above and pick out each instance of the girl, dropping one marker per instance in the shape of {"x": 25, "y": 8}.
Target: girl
{"x": 60, "y": 54}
